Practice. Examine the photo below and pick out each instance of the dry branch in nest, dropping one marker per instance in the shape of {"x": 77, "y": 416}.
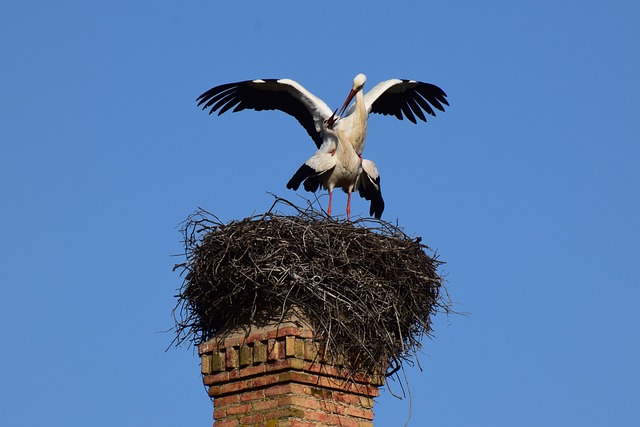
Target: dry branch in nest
{"x": 368, "y": 290}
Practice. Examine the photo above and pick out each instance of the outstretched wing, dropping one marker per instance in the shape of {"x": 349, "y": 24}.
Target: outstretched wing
{"x": 405, "y": 97}
{"x": 271, "y": 94}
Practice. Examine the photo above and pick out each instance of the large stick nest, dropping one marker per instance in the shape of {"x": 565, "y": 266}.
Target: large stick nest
{"x": 368, "y": 290}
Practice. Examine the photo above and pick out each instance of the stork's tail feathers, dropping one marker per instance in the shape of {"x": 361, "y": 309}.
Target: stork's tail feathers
{"x": 373, "y": 194}
{"x": 369, "y": 188}
{"x": 377, "y": 206}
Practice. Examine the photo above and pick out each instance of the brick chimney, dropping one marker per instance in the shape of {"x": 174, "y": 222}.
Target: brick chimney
{"x": 277, "y": 376}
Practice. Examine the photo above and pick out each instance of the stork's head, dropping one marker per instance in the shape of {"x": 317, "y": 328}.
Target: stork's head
{"x": 358, "y": 84}
{"x": 359, "y": 81}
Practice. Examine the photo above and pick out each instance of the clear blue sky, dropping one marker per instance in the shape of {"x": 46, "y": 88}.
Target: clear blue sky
{"x": 527, "y": 187}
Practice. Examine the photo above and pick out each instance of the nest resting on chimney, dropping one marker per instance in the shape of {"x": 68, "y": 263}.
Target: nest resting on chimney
{"x": 368, "y": 290}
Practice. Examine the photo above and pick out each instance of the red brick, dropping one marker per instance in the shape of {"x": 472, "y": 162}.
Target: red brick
{"x": 205, "y": 364}
{"x": 284, "y": 412}
{"x": 284, "y": 364}
{"x": 275, "y": 350}
{"x": 281, "y": 332}
{"x": 298, "y": 389}
{"x": 347, "y": 398}
{"x": 302, "y": 401}
{"x": 290, "y": 343}
{"x": 355, "y": 411}
{"x": 299, "y": 348}
{"x": 310, "y": 350}
{"x": 250, "y": 371}
{"x": 318, "y": 391}
{"x": 239, "y": 409}
{"x": 217, "y": 362}
{"x": 321, "y": 368}
{"x": 227, "y": 400}
{"x": 265, "y": 380}
{"x": 340, "y": 384}
{"x": 333, "y": 371}
{"x": 259, "y": 352}
{"x": 232, "y": 342}
{"x": 284, "y": 389}
{"x": 234, "y": 387}
{"x": 252, "y": 419}
{"x": 226, "y": 423}
{"x": 252, "y": 395}
{"x": 256, "y": 336}
{"x": 231, "y": 358}
{"x": 219, "y": 413}
{"x": 323, "y": 417}
{"x": 366, "y": 402}
{"x": 327, "y": 405}
{"x": 278, "y": 389}
{"x": 245, "y": 355}
{"x": 219, "y": 378}
{"x": 207, "y": 347}
{"x": 347, "y": 422}
{"x": 263, "y": 405}
{"x": 298, "y": 423}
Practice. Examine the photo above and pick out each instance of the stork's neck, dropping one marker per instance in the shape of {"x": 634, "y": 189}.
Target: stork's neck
{"x": 361, "y": 109}
{"x": 359, "y": 124}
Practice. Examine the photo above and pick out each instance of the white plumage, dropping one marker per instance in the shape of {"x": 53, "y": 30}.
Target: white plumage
{"x": 340, "y": 140}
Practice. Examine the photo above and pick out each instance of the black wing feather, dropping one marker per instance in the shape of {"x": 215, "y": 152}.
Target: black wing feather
{"x": 229, "y": 102}
{"x": 266, "y": 94}
{"x": 416, "y": 108}
{"x": 410, "y": 98}
{"x": 425, "y": 105}
{"x": 407, "y": 111}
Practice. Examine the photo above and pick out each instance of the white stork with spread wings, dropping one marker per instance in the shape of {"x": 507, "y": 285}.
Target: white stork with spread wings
{"x": 337, "y": 138}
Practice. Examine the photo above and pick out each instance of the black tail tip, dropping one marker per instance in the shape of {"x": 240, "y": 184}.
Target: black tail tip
{"x": 377, "y": 207}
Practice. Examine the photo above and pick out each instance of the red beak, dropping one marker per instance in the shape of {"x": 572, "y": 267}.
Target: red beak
{"x": 344, "y": 107}
{"x": 346, "y": 103}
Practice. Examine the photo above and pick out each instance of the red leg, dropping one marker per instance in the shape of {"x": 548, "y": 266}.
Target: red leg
{"x": 330, "y": 197}
{"x": 349, "y": 206}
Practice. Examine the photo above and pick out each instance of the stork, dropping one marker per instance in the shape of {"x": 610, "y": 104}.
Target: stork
{"x": 336, "y": 164}
{"x": 331, "y": 132}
